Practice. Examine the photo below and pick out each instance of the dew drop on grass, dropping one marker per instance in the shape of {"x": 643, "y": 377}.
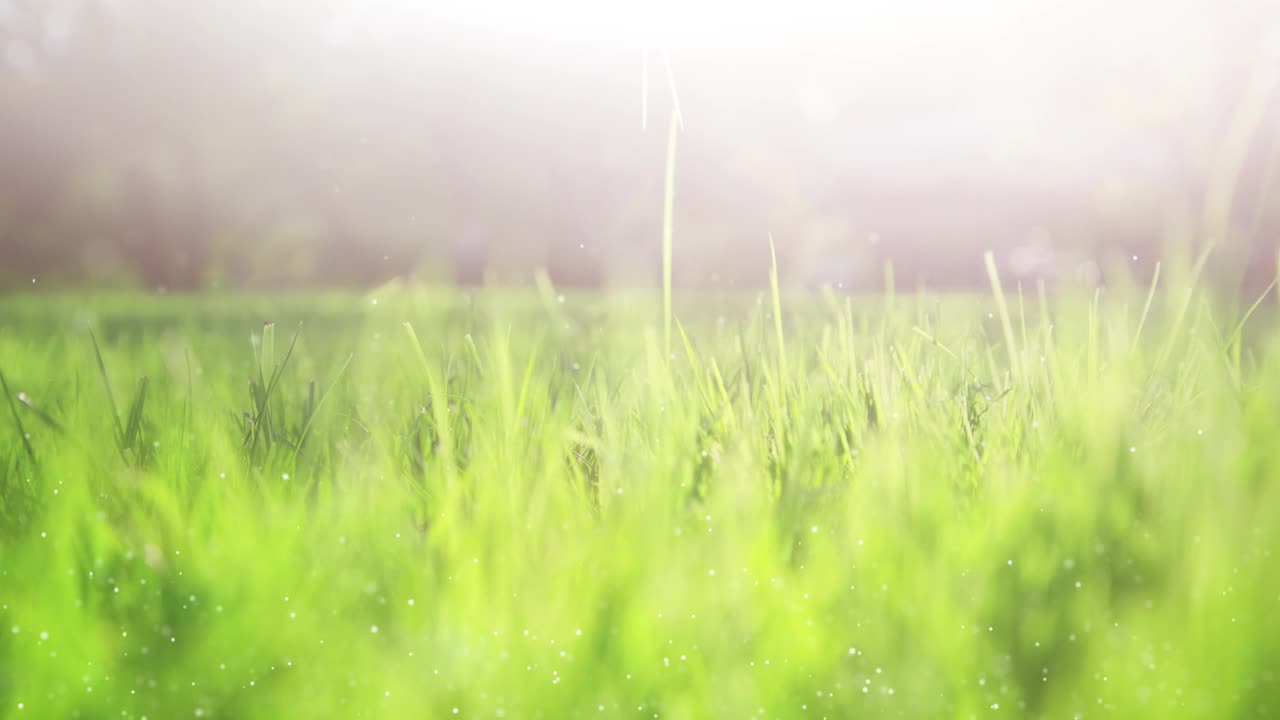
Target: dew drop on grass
{"x": 373, "y": 629}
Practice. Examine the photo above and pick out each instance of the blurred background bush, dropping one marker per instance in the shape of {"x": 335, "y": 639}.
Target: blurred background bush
{"x": 195, "y": 145}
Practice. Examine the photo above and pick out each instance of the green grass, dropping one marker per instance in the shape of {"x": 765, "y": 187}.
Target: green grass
{"x": 490, "y": 505}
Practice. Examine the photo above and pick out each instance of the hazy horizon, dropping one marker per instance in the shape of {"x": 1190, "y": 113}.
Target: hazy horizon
{"x": 287, "y": 144}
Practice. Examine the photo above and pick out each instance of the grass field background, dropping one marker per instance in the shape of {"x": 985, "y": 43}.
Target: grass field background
{"x": 525, "y": 504}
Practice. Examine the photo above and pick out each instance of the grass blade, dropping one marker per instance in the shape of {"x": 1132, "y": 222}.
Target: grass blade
{"x": 1146, "y": 307}
{"x": 668, "y": 220}
{"x": 318, "y": 404}
{"x": 17, "y": 421}
{"x": 1005, "y": 323}
{"x": 777, "y": 311}
{"x": 106, "y": 383}
{"x": 133, "y": 429}
{"x": 261, "y": 420}
{"x": 45, "y": 417}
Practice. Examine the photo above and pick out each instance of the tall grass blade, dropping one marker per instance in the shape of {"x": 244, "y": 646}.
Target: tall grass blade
{"x": 311, "y": 415}
{"x": 1146, "y": 307}
{"x": 44, "y": 417}
{"x": 17, "y": 421}
{"x": 261, "y": 421}
{"x": 668, "y": 222}
{"x": 133, "y": 429}
{"x": 106, "y": 383}
{"x": 1006, "y": 324}
{"x": 776, "y": 295}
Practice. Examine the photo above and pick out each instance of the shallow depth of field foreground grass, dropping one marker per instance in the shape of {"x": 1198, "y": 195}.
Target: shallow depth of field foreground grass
{"x": 525, "y": 506}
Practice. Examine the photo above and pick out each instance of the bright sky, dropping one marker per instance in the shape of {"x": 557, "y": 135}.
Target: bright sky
{"x": 1006, "y": 55}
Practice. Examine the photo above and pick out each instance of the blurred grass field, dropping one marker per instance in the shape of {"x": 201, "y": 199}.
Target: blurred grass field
{"x": 523, "y": 504}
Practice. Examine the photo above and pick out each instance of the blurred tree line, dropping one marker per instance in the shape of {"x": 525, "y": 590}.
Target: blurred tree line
{"x": 243, "y": 144}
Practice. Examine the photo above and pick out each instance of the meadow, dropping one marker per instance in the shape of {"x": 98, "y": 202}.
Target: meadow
{"x": 416, "y": 503}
